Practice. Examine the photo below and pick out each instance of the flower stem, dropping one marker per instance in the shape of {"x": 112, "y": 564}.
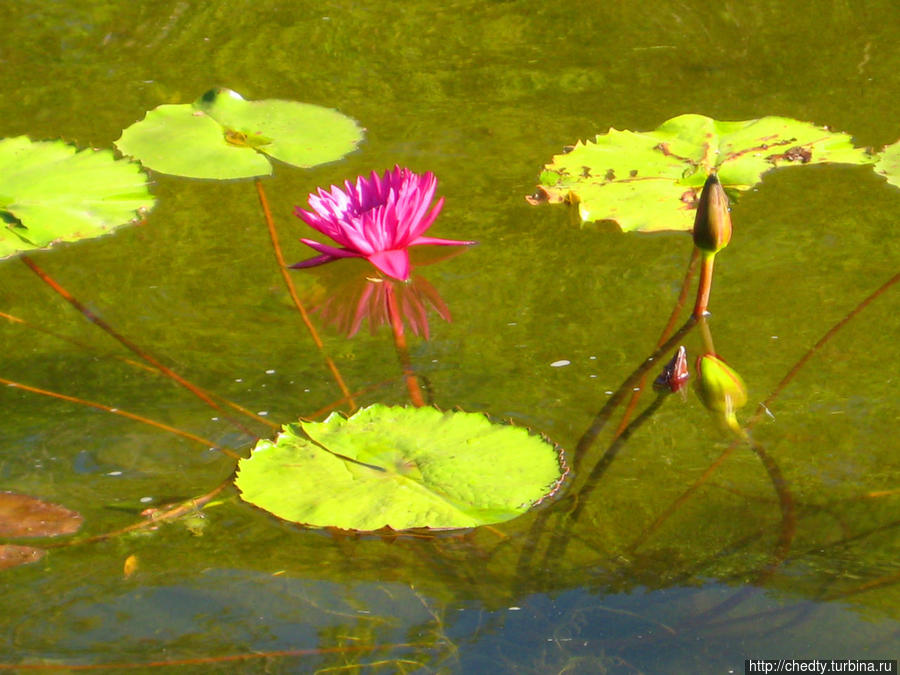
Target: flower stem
{"x": 128, "y": 344}
{"x": 666, "y": 332}
{"x": 708, "y": 345}
{"x": 131, "y": 362}
{"x": 412, "y": 383}
{"x": 123, "y": 413}
{"x": 276, "y": 247}
{"x": 705, "y": 284}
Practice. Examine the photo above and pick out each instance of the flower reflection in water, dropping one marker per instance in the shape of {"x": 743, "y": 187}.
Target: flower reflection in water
{"x": 365, "y": 299}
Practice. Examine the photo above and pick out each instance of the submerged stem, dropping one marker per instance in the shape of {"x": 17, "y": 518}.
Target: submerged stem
{"x": 128, "y": 344}
{"x": 412, "y": 382}
{"x": 122, "y": 413}
{"x": 276, "y": 247}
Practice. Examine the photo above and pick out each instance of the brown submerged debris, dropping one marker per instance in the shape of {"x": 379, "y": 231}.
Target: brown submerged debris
{"x": 796, "y": 154}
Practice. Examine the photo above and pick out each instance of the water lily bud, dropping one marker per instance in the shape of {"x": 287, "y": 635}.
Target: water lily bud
{"x": 712, "y": 224}
{"x": 674, "y": 374}
{"x": 721, "y": 389}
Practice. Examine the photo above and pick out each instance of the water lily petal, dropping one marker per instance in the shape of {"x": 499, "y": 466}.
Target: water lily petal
{"x": 394, "y": 263}
{"x": 330, "y": 253}
{"x": 376, "y": 217}
{"x": 419, "y": 241}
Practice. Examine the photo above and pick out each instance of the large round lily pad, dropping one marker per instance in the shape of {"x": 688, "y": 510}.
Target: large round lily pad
{"x": 50, "y": 191}
{"x": 401, "y": 468}
{"x": 222, "y": 136}
{"x": 647, "y": 181}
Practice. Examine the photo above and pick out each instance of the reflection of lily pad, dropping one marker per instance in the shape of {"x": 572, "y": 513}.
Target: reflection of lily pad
{"x": 651, "y": 180}
{"x": 888, "y": 163}
{"x": 51, "y": 191}
{"x": 402, "y": 468}
{"x": 223, "y": 136}
{"x": 24, "y": 516}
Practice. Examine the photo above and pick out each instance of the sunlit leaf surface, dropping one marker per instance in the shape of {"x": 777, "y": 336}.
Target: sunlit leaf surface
{"x": 888, "y": 163}
{"x": 25, "y": 516}
{"x": 401, "y": 468}
{"x": 50, "y": 191}
{"x": 647, "y": 181}
{"x": 223, "y": 136}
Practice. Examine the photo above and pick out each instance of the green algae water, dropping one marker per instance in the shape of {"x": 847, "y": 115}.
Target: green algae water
{"x": 687, "y": 554}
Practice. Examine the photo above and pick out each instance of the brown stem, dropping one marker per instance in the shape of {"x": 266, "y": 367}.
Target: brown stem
{"x": 412, "y": 383}
{"x": 763, "y": 407}
{"x": 123, "y": 413}
{"x": 130, "y": 362}
{"x": 276, "y": 247}
{"x": 705, "y": 284}
{"x": 128, "y": 344}
{"x": 666, "y": 332}
{"x": 157, "y": 516}
{"x": 761, "y": 411}
{"x": 602, "y": 417}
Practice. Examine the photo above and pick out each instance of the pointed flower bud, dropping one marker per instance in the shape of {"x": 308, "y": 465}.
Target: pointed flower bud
{"x": 674, "y": 374}
{"x": 712, "y": 224}
{"x": 721, "y": 389}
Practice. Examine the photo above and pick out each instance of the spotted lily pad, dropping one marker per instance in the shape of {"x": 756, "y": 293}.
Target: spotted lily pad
{"x": 888, "y": 163}
{"x": 222, "y": 136}
{"x": 647, "y": 181}
{"x": 401, "y": 468}
{"x": 25, "y": 516}
{"x": 50, "y": 192}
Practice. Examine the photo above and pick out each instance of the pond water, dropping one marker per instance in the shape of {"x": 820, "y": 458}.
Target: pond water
{"x": 687, "y": 553}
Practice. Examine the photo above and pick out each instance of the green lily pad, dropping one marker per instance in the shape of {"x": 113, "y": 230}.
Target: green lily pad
{"x": 648, "y": 181}
{"x": 223, "y": 136}
{"x": 50, "y": 191}
{"x": 401, "y": 468}
{"x": 888, "y": 163}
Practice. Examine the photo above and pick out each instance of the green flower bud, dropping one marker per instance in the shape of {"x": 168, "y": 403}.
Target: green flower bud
{"x": 721, "y": 389}
{"x": 712, "y": 224}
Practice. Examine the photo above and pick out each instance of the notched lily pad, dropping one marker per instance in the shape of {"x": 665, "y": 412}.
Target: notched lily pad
{"x": 25, "y": 516}
{"x": 222, "y": 136}
{"x": 401, "y": 468}
{"x": 647, "y": 181}
{"x": 50, "y": 192}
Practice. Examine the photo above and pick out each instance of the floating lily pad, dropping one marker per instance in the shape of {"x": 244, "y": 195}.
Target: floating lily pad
{"x": 888, "y": 163}
{"x": 50, "y": 191}
{"x": 25, "y": 516}
{"x": 400, "y": 468}
{"x": 221, "y": 136}
{"x": 647, "y": 181}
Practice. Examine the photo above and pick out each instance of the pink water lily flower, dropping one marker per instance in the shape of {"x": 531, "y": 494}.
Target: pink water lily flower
{"x": 377, "y": 218}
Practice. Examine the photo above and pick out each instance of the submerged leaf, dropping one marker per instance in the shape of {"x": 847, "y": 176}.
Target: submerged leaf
{"x": 13, "y": 556}
{"x": 50, "y": 191}
{"x": 223, "y": 136}
{"x": 651, "y": 180}
{"x": 400, "y": 468}
{"x": 25, "y": 516}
